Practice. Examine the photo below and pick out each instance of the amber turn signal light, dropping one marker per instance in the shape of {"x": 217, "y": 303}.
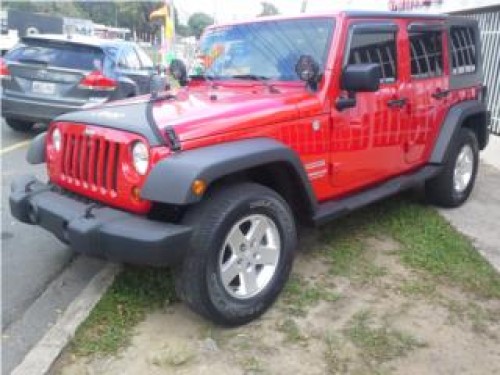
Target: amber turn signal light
{"x": 199, "y": 187}
{"x": 136, "y": 193}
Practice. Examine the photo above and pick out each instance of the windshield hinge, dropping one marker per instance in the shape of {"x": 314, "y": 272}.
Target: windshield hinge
{"x": 173, "y": 139}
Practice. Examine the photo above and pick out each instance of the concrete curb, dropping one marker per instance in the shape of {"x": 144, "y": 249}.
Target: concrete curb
{"x": 41, "y": 357}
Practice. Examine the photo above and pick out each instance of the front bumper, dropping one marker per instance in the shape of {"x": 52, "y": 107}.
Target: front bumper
{"x": 95, "y": 230}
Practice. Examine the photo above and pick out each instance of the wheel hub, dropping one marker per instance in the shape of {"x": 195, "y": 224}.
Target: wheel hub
{"x": 464, "y": 167}
{"x": 249, "y": 256}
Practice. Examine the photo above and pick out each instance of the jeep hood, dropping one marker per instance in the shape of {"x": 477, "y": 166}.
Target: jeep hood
{"x": 198, "y": 112}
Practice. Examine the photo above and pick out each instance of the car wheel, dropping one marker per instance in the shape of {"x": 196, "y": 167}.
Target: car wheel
{"x": 453, "y": 186}
{"x": 19, "y": 125}
{"x": 240, "y": 256}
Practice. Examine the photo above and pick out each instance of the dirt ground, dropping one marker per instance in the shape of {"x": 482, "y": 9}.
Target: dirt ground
{"x": 381, "y": 318}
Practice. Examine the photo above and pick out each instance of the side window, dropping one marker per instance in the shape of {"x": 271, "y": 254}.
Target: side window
{"x": 377, "y": 48}
{"x": 463, "y": 50}
{"x": 145, "y": 60}
{"x": 129, "y": 59}
{"x": 426, "y": 54}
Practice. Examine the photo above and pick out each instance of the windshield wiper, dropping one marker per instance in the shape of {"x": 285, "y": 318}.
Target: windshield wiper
{"x": 254, "y": 77}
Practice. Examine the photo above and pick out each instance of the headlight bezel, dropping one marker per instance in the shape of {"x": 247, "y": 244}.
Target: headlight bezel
{"x": 141, "y": 157}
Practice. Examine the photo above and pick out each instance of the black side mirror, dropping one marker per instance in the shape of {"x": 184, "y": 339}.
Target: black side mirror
{"x": 307, "y": 70}
{"x": 361, "y": 78}
{"x": 178, "y": 70}
{"x": 358, "y": 78}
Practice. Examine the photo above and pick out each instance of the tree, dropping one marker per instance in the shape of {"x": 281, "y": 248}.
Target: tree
{"x": 268, "y": 9}
{"x": 198, "y": 22}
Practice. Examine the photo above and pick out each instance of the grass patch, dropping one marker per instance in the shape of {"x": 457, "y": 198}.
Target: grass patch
{"x": 291, "y": 331}
{"x": 336, "y": 362}
{"x": 343, "y": 245}
{"x": 429, "y": 243}
{"x": 134, "y": 292}
{"x": 380, "y": 344}
{"x": 418, "y": 288}
{"x": 479, "y": 317}
{"x": 299, "y": 295}
{"x": 252, "y": 365}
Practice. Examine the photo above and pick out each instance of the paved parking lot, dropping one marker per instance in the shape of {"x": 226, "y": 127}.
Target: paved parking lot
{"x": 31, "y": 261}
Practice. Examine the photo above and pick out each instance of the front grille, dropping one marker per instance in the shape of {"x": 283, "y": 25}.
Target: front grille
{"x": 91, "y": 161}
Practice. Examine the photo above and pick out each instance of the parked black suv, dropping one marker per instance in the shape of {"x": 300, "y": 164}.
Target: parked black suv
{"x": 45, "y": 76}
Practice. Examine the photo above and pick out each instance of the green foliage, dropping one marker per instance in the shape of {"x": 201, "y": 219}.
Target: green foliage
{"x": 129, "y": 14}
{"x": 198, "y": 22}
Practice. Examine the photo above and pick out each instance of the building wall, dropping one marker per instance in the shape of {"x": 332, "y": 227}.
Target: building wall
{"x": 489, "y": 23}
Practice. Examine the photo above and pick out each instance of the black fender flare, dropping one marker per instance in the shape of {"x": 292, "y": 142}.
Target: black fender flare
{"x": 454, "y": 120}
{"x": 171, "y": 179}
{"x": 36, "y": 150}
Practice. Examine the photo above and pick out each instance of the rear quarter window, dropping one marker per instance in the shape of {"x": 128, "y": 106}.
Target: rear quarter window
{"x": 61, "y": 55}
{"x": 463, "y": 50}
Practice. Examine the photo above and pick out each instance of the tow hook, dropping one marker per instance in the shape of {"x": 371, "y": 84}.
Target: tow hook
{"x": 89, "y": 209}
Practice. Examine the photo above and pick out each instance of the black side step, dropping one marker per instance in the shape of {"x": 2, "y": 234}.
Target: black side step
{"x": 334, "y": 209}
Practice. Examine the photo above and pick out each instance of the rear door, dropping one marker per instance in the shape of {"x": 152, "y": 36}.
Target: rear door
{"x": 51, "y": 70}
{"x": 428, "y": 88}
{"x": 367, "y": 139}
{"x": 129, "y": 65}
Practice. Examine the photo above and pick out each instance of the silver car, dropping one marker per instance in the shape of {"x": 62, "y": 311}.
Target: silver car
{"x": 45, "y": 76}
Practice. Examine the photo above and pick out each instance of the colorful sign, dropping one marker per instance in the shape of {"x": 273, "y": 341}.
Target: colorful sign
{"x": 396, "y": 5}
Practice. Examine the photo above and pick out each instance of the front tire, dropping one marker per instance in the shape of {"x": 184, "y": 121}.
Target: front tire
{"x": 19, "y": 125}
{"x": 240, "y": 256}
{"x": 453, "y": 186}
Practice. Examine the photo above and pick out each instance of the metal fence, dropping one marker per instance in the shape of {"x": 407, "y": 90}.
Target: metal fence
{"x": 489, "y": 23}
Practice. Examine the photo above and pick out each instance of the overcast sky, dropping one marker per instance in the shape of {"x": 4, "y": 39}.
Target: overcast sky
{"x": 228, "y": 10}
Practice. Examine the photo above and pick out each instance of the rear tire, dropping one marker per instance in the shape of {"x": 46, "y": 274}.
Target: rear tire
{"x": 240, "y": 255}
{"x": 453, "y": 186}
{"x": 19, "y": 125}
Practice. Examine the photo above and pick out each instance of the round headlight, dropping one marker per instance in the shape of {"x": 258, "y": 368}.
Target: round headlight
{"x": 140, "y": 156}
{"x": 57, "y": 139}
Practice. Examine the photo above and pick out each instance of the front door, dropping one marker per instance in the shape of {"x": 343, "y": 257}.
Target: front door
{"x": 367, "y": 139}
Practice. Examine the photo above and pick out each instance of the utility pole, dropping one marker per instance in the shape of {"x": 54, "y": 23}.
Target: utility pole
{"x": 304, "y": 6}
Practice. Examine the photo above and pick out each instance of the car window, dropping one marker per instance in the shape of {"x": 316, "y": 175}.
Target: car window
{"x": 129, "y": 59}
{"x": 463, "y": 50}
{"x": 144, "y": 58}
{"x": 54, "y": 54}
{"x": 426, "y": 50}
{"x": 375, "y": 48}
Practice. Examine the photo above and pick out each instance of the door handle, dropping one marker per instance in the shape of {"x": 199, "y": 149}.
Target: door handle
{"x": 397, "y": 103}
{"x": 440, "y": 94}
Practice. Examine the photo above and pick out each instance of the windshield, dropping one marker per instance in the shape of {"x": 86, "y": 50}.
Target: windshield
{"x": 265, "y": 50}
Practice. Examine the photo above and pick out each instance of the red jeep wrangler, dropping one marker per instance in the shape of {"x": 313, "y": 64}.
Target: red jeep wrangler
{"x": 294, "y": 120}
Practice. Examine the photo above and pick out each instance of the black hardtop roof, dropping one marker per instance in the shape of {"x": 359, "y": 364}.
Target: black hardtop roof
{"x": 388, "y": 14}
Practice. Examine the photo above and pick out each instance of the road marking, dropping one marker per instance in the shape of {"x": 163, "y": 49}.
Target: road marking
{"x": 14, "y": 147}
